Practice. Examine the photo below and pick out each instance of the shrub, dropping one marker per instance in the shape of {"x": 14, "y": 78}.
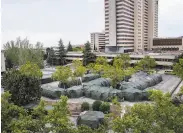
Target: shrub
{"x": 105, "y": 107}
{"x": 96, "y": 105}
{"x": 85, "y": 106}
{"x": 31, "y": 69}
{"x": 23, "y": 88}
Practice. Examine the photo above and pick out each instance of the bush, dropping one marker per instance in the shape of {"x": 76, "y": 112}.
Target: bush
{"x": 85, "y": 106}
{"x": 96, "y": 105}
{"x": 23, "y": 88}
{"x": 105, "y": 107}
{"x": 31, "y": 69}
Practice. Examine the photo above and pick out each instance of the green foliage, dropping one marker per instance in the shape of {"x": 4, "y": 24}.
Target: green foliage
{"x": 91, "y": 67}
{"x": 77, "y": 49}
{"x": 24, "y": 89}
{"x": 105, "y": 107}
{"x": 18, "y": 120}
{"x": 62, "y": 73}
{"x": 9, "y": 111}
{"x": 122, "y": 61}
{"x": 101, "y": 60}
{"x": 96, "y": 105}
{"x": 69, "y": 48}
{"x": 178, "y": 68}
{"x": 146, "y": 64}
{"x": 31, "y": 69}
{"x": 85, "y": 106}
{"x": 20, "y": 51}
{"x": 61, "y": 52}
{"x": 98, "y": 68}
{"x": 116, "y": 74}
{"x": 88, "y": 56}
{"x": 76, "y": 63}
{"x": 160, "y": 116}
{"x": 58, "y": 118}
{"x": 51, "y": 56}
{"x": 79, "y": 71}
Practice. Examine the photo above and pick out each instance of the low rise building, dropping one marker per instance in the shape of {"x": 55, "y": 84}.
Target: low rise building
{"x": 168, "y": 44}
{"x": 98, "y": 41}
{"x": 163, "y": 60}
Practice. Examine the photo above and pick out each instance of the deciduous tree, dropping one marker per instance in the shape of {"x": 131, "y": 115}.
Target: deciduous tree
{"x": 24, "y": 89}
{"x": 62, "y": 74}
{"x": 20, "y": 51}
{"x": 157, "y": 117}
{"x": 31, "y": 69}
{"x": 178, "y": 68}
{"x": 146, "y": 64}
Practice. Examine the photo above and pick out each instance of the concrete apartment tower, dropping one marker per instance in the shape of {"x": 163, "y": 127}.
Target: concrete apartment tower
{"x": 98, "y": 41}
{"x": 130, "y": 25}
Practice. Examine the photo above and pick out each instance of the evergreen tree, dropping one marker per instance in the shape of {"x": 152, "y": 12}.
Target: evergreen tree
{"x": 61, "y": 52}
{"x": 88, "y": 56}
{"x": 51, "y": 56}
{"x": 69, "y": 48}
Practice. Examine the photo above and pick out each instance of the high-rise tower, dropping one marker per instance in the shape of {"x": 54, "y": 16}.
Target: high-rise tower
{"x": 130, "y": 25}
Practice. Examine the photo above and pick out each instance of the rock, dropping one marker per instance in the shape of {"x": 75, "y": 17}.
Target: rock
{"x": 75, "y": 91}
{"x": 91, "y": 118}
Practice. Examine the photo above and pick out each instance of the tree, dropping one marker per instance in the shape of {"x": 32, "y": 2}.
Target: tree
{"x": 47, "y": 51}
{"x": 147, "y": 63}
{"x": 20, "y": 51}
{"x": 88, "y": 56}
{"x": 123, "y": 61}
{"x": 114, "y": 73}
{"x": 69, "y": 48}
{"x": 61, "y": 52}
{"x": 76, "y": 63}
{"x": 9, "y": 111}
{"x": 58, "y": 118}
{"x": 77, "y": 49}
{"x": 80, "y": 71}
{"x": 51, "y": 57}
{"x": 62, "y": 74}
{"x": 31, "y": 69}
{"x": 178, "y": 68}
{"x": 90, "y": 67}
{"x": 101, "y": 60}
{"x": 24, "y": 89}
{"x": 160, "y": 116}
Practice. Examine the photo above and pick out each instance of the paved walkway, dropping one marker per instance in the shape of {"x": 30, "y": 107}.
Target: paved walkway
{"x": 178, "y": 89}
{"x": 169, "y": 83}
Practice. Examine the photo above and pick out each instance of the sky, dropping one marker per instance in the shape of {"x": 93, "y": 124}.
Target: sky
{"x": 47, "y": 21}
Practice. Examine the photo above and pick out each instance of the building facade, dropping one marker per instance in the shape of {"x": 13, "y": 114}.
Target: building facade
{"x": 130, "y": 25}
{"x": 168, "y": 44}
{"x": 98, "y": 41}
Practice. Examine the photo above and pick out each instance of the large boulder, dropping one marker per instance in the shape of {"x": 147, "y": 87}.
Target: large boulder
{"x": 132, "y": 94}
{"x": 70, "y": 82}
{"x": 103, "y": 82}
{"x": 91, "y": 118}
{"x": 52, "y": 92}
{"x": 75, "y": 91}
{"x": 89, "y": 77}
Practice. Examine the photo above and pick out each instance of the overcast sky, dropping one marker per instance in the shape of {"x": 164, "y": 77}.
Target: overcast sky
{"x": 72, "y": 20}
